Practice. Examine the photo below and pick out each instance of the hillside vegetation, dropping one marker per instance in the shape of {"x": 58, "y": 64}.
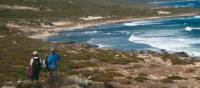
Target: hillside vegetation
{"x": 34, "y": 13}
{"x": 73, "y": 9}
{"x": 85, "y": 66}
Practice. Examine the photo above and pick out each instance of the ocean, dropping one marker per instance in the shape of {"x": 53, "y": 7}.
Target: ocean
{"x": 178, "y": 3}
{"x": 171, "y": 34}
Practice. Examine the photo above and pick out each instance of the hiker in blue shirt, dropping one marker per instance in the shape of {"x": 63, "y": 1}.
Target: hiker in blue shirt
{"x": 52, "y": 60}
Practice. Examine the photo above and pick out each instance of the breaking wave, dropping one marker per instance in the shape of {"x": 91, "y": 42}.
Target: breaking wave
{"x": 191, "y": 28}
{"x": 169, "y": 43}
{"x": 91, "y": 32}
{"x": 98, "y": 42}
{"x": 196, "y": 16}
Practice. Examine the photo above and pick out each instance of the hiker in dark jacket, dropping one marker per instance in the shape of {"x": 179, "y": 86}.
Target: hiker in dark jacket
{"x": 36, "y": 65}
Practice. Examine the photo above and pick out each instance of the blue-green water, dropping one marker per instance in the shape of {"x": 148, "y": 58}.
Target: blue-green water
{"x": 178, "y": 3}
{"x": 171, "y": 34}
{"x": 174, "y": 34}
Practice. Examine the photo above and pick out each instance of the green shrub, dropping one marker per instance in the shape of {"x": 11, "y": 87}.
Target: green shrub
{"x": 143, "y": 74}
{"x": 176, "y": 60}
{"x": 105, "y": 76}
{"x": 140, "y": 79}
{"x": 171, "y": 79}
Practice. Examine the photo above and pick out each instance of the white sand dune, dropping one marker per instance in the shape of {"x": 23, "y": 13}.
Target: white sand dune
{"x": 16, "y": 7}
{"x": 92, "y": 18}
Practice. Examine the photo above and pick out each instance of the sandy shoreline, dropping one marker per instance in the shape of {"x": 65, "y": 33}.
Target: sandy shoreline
{"x": 44, "y": 33}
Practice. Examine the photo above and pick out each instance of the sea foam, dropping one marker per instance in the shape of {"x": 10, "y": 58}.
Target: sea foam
{"x": 192, "y": 28}
{"x": 188, "y": 28}
{"x": 169, "y": 43}
{"x": 91, "y": 32}
{"x": 196, "y": 16}
{"x": 99, "y": 42}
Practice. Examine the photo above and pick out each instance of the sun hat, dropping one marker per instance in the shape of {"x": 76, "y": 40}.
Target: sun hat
{"x": 35, "y": 53}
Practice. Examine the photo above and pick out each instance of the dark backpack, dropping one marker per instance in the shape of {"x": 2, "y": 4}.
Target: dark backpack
{"x": 46, "y": 63}
{"x": 36, "y": 64}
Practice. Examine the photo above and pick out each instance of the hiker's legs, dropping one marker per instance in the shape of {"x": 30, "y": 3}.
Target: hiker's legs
{"x": 49, "y": 73}
{"x": 35, "y": 75}
{"x": 52, "y": 74}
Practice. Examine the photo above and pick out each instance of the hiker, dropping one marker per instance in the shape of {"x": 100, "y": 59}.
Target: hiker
{"x": 29, "y": 73}
{"x": 52, "y": 60}
{"x": 36, "y": 66}
{"x": 45, "y": 64}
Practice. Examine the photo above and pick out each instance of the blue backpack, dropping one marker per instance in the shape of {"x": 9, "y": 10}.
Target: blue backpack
{"x": 52, "y": 66}
{"x": 52, "y": 59}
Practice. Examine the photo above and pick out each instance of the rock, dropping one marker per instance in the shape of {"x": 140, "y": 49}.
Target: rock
{"x": 10, "y": 84}
{"x": 93, "y": 61}
{"x": 153, "y": 53}
{"x": 71, "y": 86}
{"x": 8, "y": 87}
{"x": 70, "y": 42}
{"x": 163, "y": 51}
{"x": 44, "y": 8}
{"x": 181, "y": 54}
{"x": 82, "y": 82}
{"x": 85, "y": 45}
{"x": 117, "y": 55}
{"x": 157, "y": 77}
{"x": 108, "y": 85}
{"x": 97, "y": 85}
{"x": 2, "y": 36}
{"x": 14, "y": 42}
{"x": 197, "y": 64}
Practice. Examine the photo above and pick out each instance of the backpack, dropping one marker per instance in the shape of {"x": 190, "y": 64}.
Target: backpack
{"x": 52, "y": 59}
{"x": 29, "y": 72}
{"x": 45, "y": 64}
{"x": 36, "y": 64}
{"x": 52, "y": 66}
